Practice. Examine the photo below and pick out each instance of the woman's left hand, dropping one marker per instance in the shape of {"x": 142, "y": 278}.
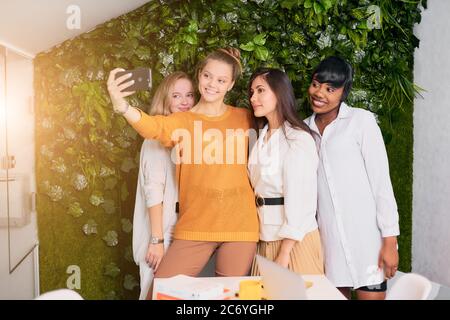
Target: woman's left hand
{"x": 154, "y": 255}
{"x": 282, "y": 259}
{"x": 388, "y": 258}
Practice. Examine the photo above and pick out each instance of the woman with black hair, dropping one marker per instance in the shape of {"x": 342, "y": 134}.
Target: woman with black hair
{"x": 357, "y": 212}
{"x": 283, "y": 172}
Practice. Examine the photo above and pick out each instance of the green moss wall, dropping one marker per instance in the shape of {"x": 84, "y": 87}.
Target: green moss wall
{"x": 87, "y": 158}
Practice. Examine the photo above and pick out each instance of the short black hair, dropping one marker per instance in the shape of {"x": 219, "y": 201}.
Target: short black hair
{"x": 337, "y": 72}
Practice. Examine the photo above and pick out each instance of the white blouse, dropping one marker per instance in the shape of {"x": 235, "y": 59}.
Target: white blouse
{"x": 156, "y": 184}
{"x": 285, "y": 168}
{"x": 356, "y": 204}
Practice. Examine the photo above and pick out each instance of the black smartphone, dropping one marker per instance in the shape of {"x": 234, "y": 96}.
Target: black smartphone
{"x": 142, "y": 79}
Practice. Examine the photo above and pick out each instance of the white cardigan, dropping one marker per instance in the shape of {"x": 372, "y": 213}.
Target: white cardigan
{"x": 156, "y": 184}
{"x": 285, "y": 168}
{"x": 356, "y": 204}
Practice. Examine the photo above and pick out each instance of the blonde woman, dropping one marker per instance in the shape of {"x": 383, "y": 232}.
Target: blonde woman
{"x": 217, "y": 204}
{"x": 157, "y": 194}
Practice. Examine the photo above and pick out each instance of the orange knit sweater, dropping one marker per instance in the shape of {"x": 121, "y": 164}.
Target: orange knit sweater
{"x": 215, "y": 195}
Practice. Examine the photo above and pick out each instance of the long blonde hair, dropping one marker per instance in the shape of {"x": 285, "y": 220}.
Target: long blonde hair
{"x": 229, "y": 55}
{"x": 160, "y": 102}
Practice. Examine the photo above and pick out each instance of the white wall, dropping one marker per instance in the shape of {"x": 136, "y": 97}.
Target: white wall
{"x": 32, "y": 26}
{"x": 431, "y": 186}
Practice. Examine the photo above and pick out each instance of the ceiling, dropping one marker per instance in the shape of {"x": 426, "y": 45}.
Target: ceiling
{"x": 33, "y": 26}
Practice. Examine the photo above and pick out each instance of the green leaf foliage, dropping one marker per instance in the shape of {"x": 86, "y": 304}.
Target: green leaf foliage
{"x": 112, "y": 270}
{"x": 130, "y": 282}
{"x": 127, "y": 226}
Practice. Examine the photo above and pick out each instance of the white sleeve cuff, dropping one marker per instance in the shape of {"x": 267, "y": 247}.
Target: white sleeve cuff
{"x": 290, "y": 232}
{"x": 153, "y": 195}
{"x": 390, "y": 232}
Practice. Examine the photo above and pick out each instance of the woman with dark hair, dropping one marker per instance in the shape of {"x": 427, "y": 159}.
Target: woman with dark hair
{"x": 283, "y": 172}
{"x": 357, "y": 212}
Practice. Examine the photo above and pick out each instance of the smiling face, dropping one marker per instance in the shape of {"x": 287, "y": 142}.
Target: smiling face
{"x": 215, "y": 80}
{"x": 263, "y": 99}
{"x": 181, "y": 96}
{"x": 323, "y": 97}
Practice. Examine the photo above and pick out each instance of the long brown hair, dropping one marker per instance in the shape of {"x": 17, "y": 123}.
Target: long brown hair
{"x": 160, "y": 102}
{"x": 281, "y": 86}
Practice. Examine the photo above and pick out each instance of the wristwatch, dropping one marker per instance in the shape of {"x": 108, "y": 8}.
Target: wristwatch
{"x": 156, "y": 240}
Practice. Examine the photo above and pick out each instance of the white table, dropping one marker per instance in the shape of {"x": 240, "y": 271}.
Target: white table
{"x": 322, "y": 288}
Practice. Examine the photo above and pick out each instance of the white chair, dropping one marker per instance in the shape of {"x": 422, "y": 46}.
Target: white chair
{"x": 61, "y": 294}
{"x": 410, "y": 286}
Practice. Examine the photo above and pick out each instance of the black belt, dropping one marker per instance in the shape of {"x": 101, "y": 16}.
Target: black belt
{"x": 260, "y": 201}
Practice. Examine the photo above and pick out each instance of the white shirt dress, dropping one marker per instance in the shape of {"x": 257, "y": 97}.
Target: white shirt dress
{"x": 356, "y": 204}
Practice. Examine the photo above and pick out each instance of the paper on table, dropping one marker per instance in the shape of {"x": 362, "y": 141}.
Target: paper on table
{"x": 183, "y": 287}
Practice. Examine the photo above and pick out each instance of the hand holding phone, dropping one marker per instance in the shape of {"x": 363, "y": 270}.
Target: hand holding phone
{"x": 142, "y": 79}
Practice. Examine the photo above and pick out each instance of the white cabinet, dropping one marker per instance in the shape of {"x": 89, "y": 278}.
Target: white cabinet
{"x": 16, "y": 212}
{"x": 19, "y": 277}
